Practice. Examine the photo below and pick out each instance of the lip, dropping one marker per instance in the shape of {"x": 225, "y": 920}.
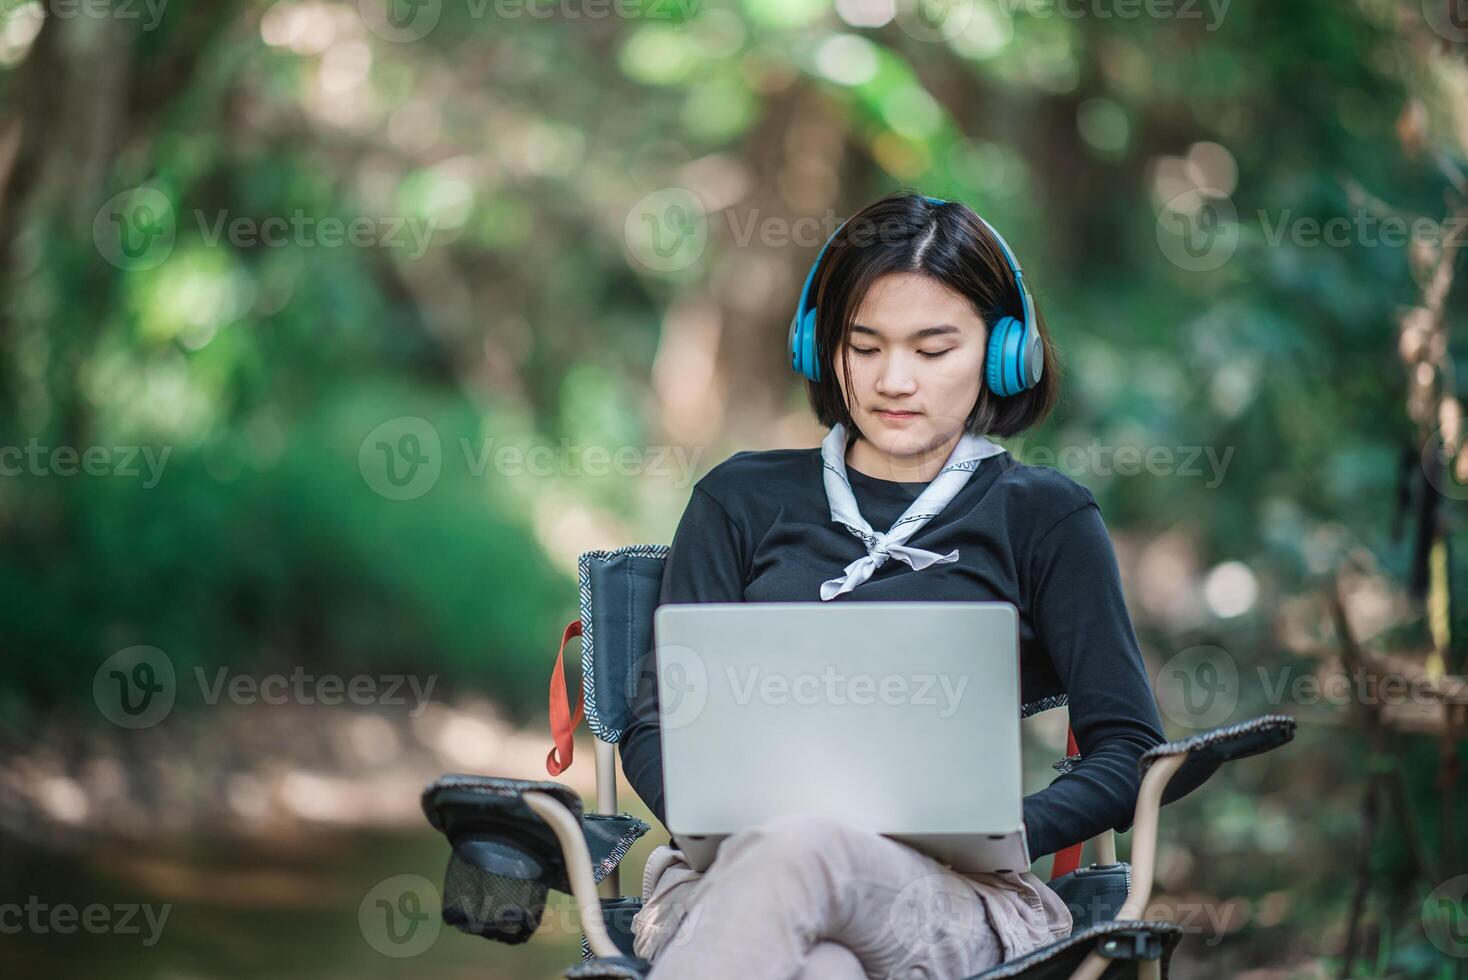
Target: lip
{"x": 898, "y": 416}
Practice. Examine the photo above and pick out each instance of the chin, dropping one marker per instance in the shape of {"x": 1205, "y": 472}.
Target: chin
{"x": 907, "y": 439}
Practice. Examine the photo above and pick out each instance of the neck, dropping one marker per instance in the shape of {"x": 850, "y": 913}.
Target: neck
{"x": 921, "y": 467}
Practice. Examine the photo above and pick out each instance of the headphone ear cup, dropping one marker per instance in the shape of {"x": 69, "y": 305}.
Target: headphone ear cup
{"x": 1001, "y": 363}
{"x": 1034, "y": 359}
{"x": 810, "y": 364}
{"x": 793, "y": 343}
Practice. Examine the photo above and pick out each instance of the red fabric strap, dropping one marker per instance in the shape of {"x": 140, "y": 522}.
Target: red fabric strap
{"x": 1068, "y": 859}
{"x": 563, "y": 720}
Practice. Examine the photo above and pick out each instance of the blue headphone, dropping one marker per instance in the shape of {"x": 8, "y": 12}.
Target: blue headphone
{"x": 1016, "y": 357}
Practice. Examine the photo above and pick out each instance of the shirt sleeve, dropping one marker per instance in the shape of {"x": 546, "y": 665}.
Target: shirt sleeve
{"x": 1080, "y": 616}
{"x": 706, "y": 563}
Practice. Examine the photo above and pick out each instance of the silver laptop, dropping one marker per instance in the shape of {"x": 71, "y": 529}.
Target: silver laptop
{"x": 901, "y": 718}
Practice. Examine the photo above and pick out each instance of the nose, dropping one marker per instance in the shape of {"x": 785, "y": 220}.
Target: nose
{"x": 895, "y": 376}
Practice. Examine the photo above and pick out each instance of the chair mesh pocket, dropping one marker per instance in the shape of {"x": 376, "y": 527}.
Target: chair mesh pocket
{"x": 495, "y": 890}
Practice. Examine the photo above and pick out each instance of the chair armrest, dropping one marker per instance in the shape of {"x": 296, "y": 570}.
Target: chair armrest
{"x": 1206, "y": 751}
{"x": 513, "y": 839}
{"x": 464, "y": 806}
{"x": 1169, "y": 772}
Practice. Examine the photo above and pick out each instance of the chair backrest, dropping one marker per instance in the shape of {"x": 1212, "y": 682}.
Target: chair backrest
{"x": 619, "y": 593}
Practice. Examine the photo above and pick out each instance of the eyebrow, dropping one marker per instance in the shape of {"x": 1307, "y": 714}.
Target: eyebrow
{"x": 940, "y": 330}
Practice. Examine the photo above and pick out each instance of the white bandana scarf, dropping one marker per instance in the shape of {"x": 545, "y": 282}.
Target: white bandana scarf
{"x": 956, "y": 472}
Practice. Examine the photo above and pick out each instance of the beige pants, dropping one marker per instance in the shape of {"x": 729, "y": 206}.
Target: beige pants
{"x": 804, "y": 897}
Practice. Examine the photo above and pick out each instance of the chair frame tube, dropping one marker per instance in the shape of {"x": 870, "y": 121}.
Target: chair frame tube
{"x": 578, "y": 869}
{"x": 606, "y": 802}
{"x": 1144, "y": 863}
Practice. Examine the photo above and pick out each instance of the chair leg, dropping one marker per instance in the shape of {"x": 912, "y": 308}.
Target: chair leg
{"x": 606, "y": 802}
{"x": 578, "y": 869}
{"x": 1144, "y": 859}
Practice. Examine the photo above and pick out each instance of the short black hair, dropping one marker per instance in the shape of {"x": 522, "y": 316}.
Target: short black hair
{"x": 905, "y": 232}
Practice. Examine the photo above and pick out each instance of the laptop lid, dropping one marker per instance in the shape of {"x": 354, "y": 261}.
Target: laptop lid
{"x": 898, "y": 717}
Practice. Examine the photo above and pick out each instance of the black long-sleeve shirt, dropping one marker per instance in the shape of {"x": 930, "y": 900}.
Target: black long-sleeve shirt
{"x": 758, "y": 529}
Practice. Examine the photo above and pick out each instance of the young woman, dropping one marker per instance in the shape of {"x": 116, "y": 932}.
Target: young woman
{"x": 919, "y": 339}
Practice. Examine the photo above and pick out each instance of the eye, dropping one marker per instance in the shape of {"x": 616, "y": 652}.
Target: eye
{"x": 863, "y": 350}
{"x": 934, "y": 354}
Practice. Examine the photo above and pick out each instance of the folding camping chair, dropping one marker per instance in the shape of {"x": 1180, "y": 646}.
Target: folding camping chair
{"x": 513, "y": 839}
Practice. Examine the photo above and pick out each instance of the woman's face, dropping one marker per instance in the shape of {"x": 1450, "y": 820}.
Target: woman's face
{"x": 916, "y": 347}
